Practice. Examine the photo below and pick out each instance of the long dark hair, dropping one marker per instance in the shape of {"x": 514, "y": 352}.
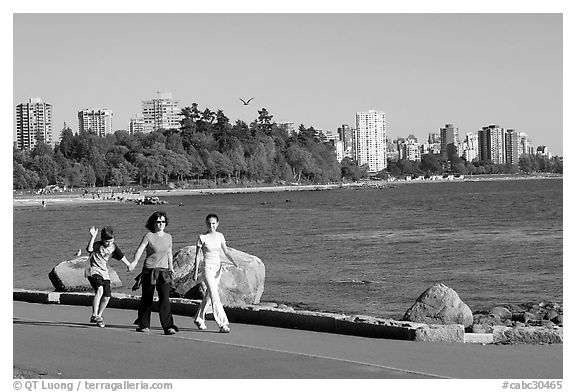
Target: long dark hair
{"x": 211, "y": 216}
{"x": 151, "y": 222}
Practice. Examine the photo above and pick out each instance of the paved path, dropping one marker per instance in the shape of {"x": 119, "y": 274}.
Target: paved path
{"x": 58, "y": 340}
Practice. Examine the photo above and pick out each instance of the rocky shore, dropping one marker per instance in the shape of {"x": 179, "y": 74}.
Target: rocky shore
{"x": 529, "y": 314}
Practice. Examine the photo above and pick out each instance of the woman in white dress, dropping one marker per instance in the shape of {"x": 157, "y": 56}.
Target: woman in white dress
{"x": 210, "y": 243}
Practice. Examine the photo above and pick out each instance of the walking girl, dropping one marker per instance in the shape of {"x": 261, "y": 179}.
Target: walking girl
{"x": 210, "y": 243}
{"x": 156, "y": 273}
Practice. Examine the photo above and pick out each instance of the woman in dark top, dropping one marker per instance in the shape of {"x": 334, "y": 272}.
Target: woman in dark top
{"x": 156, "y": 273}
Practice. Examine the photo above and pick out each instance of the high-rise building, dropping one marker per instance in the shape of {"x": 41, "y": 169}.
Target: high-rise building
{"x": 161, "y": 113}
{"x": 345, "y": 134}
{"x": 370, "y": 140}
{"x": 449, "y": 142}
{"x": 470, "y": 146}
{"x": 136, "y": 125}
{"x": 98, "y": 121}
{"x": 491, "y": 141}
{"x": 543, "y": 151}
{"x": 33, "y": 124}
{"x": 524, "y": 144}
{"x": 412, "y": 149}
{"x": 511, "y": 145}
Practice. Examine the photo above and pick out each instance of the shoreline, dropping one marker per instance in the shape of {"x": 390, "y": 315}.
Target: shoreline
{"x": 74, "y": 198}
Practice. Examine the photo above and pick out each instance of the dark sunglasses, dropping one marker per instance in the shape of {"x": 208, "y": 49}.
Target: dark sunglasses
{"x": 159, "y": 221}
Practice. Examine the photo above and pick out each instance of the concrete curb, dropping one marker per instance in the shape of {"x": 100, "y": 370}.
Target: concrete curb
{"x": 283, "y": 317}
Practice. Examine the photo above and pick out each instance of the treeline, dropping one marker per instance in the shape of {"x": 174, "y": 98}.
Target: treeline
{"x": 207, "y": 147}
{"x": 433, "y": 164}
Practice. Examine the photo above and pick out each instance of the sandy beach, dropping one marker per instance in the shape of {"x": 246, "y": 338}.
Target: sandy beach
{"x": 106, "y": 195}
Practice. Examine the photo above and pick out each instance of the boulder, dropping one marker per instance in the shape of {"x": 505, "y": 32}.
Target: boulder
{"x": 69, "y": 276}
{"x": 484, "y": 323}
{"x": 439, "y": 305}
{"x": 501, "y": 312}
{"x": 238, "y": 286}
{"x": 558, "y": 320}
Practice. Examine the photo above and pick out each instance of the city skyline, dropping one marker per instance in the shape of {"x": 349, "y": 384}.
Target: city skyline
{"x": 422, "y": 70}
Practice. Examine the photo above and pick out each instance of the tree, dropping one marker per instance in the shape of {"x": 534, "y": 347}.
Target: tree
{"x": 263, "y": 124}
{"x": 23, "y": 178}
{"x": 300, "y": 160}
{"x": 349, "y": 169}
{"x": 71, "y": 176}
{"x": 224, "y": 166}
{"x": 66, "y": 145}
{"x": 46, "y": 169}
{"x": 430, "y": 164}
{"x": 236, "y": 157}
{"x": 88, "y": 174}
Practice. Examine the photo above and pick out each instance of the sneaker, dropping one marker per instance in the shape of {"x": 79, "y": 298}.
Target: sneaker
{"x": 142, "y": 329}
{"x": 93, "y": 319}
{"x": 200, "y": 324}
{"x": 224, "y": 329}
{"x": 100, "y": 322}
{"x": 170, "y": 331}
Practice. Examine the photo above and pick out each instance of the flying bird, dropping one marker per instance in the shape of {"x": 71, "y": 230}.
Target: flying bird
{"x": 246, "y": 102}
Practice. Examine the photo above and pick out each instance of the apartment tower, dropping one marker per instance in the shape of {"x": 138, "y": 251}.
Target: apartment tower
{"x": 33, "y": 124}
{"x": 512, "y": 146}
{"x": 491, "y": 142}
{"x": 449, "y": 142}
{"x": 98, "y": 121}
{"x": 161, "y": 113}
{"x": 370, "y": 140}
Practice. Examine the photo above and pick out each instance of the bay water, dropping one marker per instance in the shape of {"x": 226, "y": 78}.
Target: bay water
{"x": 352, "y": 251}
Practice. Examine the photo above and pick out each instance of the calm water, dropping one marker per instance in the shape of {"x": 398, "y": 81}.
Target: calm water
{"x": 352, "y": 251}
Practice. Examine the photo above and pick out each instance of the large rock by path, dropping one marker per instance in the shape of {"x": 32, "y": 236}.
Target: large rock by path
{"x": 238, "y": 286}
{"x": 69, "y": 276}
{"x": 439, "y": 305}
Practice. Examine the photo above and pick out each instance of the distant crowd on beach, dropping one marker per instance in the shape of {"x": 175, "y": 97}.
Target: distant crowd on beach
{"x": 120, "y": 195}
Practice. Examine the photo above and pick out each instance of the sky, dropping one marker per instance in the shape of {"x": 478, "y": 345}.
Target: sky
{"x": 424, "y": 70}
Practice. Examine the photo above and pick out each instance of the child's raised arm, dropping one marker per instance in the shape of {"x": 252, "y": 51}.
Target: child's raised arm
{"x": 93, "y": 233}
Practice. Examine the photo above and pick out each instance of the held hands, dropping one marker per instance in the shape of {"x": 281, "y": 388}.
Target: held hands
{"x": 131, "y": 266}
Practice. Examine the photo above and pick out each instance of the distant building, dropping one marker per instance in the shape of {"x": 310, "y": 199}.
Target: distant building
{"x": 491, "y": 141}
{"x": 136, "y": 125}
{"x": 161, "y": 113}
{"x": 449, "y": 142}
{"x": 288, "y": 127}
{"x": 329, "y": 135}
{"x": 33, "y": 124}
{"x": 412, "y": 150}
{"x": 433, "y": 138}
{"x": 98, "y": 121}
{"x": 470, "y": 146}
{"x": 512, "y": 148}
{"x": 524, "y": 144}
{"x": 346, "y": 134}
{"x": 543, "y": 151}
{"x": 370, "y": 140}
